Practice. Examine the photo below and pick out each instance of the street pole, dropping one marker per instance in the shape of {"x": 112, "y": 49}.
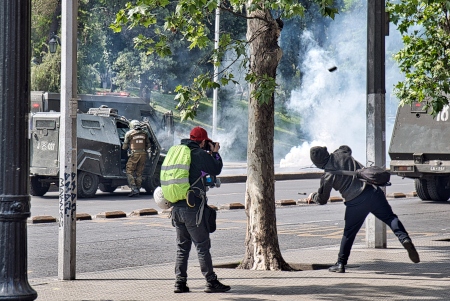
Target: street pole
{"x": 15, "y": 30}
{"x": 68, "y": 143}
{"x": 216, "y": 69}
{"x": 376, "y": 117}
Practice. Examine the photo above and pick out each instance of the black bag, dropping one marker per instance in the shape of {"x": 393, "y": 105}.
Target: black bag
{"x": 210, "y": 216}
{"x": 373, "y": 175}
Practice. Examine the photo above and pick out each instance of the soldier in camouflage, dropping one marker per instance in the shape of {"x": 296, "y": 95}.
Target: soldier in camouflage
{"x": 137, "y": 140}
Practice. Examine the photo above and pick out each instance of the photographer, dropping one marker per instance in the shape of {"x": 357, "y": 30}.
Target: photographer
{"x": 186, "y": 211}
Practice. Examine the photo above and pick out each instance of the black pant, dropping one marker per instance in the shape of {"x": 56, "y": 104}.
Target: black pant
{"x": 184, "y": 220}
{"x": 371, "y": 200}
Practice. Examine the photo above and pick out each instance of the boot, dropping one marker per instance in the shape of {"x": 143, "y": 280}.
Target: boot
{"x": 137, "y": 191}
{"x": 339, "y": 267}
{"x": 412, "y": 252}
{"x": 215, "y": 286}
{"x": 133, "y": 192}
{"x": 181, "y": 287}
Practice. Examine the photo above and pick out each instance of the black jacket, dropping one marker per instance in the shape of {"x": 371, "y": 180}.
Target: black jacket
{"x": 202, "y": 161}
{"x": 349, "y": 187}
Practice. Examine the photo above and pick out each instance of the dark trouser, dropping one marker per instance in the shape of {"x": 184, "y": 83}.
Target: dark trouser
{"x": 184, "y": 220}
{"x": 370, "y": 201}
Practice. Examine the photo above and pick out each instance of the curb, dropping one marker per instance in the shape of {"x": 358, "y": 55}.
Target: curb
{"x": 232, "y": 206}
{"x": 41, "y": 219}
{"x": 285, "y": 202}
{"x": 83, "y": 217}
{"x": 397, "y": 195}
{"x": 144, "y": 212}
{"x": 111, "y": 214}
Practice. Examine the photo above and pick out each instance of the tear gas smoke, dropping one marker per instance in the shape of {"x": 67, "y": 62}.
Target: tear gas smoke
{"x": 333, "y": 104}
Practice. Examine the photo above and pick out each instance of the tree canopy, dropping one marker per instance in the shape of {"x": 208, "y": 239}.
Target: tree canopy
{"x": 424, "y": 59}
{"x": 191, "y": 21}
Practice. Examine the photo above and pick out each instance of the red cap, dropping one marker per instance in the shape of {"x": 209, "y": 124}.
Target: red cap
{"x": 199, "y": 134}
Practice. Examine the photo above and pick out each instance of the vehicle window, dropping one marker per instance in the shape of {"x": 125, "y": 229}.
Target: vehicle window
{"x": 122, "y": 132}
{"x": 45, "y": 124}
{"x": 90, "y": 124}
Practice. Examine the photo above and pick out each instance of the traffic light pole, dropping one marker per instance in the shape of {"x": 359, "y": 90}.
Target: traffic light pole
{"x": 376, "y": 117}
{"x": 15, "y": 28}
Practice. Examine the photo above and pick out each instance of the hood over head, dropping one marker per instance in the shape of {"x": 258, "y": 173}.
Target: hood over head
{"x": 319, "y": 155}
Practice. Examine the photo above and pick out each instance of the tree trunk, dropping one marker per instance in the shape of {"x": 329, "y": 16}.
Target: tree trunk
{"x": 262, "y": 248}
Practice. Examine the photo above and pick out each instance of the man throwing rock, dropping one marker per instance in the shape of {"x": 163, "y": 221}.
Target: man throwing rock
{"x": 360, "y": 199}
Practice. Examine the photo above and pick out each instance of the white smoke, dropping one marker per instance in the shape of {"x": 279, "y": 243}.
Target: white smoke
{"x": 333, "y": 104}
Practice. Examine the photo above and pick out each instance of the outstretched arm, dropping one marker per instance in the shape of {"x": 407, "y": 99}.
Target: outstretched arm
{"x": 323, "y": 194}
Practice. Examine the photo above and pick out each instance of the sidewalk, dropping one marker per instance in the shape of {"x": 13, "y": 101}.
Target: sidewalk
{"x": 372, "y": 274}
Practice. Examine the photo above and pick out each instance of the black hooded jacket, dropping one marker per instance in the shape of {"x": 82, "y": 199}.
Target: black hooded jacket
{"x": 349, "y": 187}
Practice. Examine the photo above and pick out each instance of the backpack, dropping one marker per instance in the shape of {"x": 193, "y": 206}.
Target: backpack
{"x": 175, "y": 173}
{"x": 373, "y": 175}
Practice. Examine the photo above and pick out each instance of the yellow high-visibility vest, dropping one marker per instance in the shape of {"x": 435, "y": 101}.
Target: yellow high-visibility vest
{"x": 175, "y": 173}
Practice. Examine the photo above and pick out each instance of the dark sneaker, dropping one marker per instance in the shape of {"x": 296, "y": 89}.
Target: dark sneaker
{"x": 412, "y": 252}
{"x": 181, "y": 287}
{"x": 214, "y": 286}
{"x": 337, "y": 268}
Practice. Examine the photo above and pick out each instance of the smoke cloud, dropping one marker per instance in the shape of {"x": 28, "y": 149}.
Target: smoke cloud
{"x": 333, "y": 104}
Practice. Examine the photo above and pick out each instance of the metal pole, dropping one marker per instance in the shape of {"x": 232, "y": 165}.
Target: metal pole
{"x": 216, "y": 69}
{"x": 68, "y": 143}
{"x": 15, "y": 28}
{"x": 376, "y": 117}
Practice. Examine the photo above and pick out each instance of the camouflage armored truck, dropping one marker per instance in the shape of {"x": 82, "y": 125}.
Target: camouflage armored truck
{"x": 420, "y": 150}
{"x": 101, "y": 160}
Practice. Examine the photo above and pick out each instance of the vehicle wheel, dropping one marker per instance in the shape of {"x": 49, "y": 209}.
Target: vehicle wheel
{"x": 151, "y": 183}
{"x": 87, "y": 184}
{"x": 106, "y": 187}
{"x": 38, "y": 188}
{"x": 421, "y": 189}
{"x": 437, "y": 189}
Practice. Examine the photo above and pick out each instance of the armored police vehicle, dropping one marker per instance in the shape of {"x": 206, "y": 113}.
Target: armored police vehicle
{"x": 100, "y": 160}
{"x": 129, "y": 107}
{"x": 420, "y": 150}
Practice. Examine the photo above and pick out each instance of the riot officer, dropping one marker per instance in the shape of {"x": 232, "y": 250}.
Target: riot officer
{"x": 138, "y": 141}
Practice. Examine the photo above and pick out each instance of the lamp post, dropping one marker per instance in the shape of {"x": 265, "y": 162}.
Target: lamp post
{"x": 53, "y": 42}
{"x": 216, "y": 68}
{"x": 15, "y": 60}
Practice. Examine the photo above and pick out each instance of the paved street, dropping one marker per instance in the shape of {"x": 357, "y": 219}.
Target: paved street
{"x": 132, "y": 258}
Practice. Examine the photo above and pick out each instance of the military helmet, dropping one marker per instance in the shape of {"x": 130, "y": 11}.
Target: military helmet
{"x": 158, "y": 196}
{"x": 134, "y": 124}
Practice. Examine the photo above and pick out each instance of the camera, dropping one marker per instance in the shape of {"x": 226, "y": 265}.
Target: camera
{"x": 212, "y": 181}
{"x": 207, "y": 147}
